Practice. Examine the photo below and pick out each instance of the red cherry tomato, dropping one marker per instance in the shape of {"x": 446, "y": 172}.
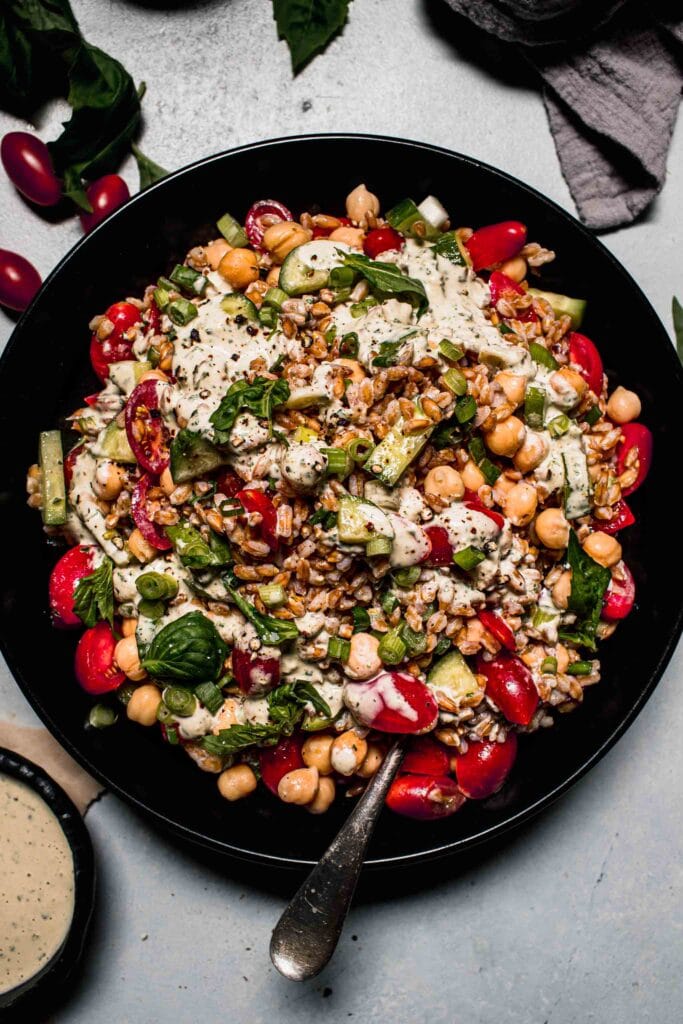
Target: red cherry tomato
{"x": 319, "y": 232}
{"x": 275, "y": 762}
{"x": 147, "y": 433}
{"x": 28, "y": 163}
{"x": 635, "y": 437}
{"x": 483, "y": 769}
{"x": 425, "y": 757}
{"x": 393, "y": 702}
{"x": 621, "y": 594}
{"x": 70, "y": 462}
{"x": 585, "y": 356}
{"x": 622, "y": 518}
{"x": 95, "y": 667}
{"x": 116, "y": 348}
{"x": 104, "y": 195}
{"x": 442, "y": 549}
{"x": 498, "y": 628}
{"x": 229, "y": 483}
{"x": 495, "y": 243}
{"x": 510, "y": 686}
{"x": 151, "y": 531}
{"x": 72, "y": 566}
{"x": 255, "y": 676}
{"x": 254, "y": 225}
{"x": 154, "y": 317}
{"x": 382, "y": 240}
{"x": 499, "y": 284}
{"x": 472, "y": 501}
{"x": 258, "y": 501}
{"x": 19, "y": 280}
{"x": 424, "y": 797}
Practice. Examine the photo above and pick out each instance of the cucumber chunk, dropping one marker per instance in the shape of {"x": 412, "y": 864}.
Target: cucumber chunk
{"x": 126, "y": 374}
{"x": 51, "y": 460}
{"x": 193, "y": 456}
{"x": 360, "y": 521}
{"x": 307, "y": 268}
{"x": 235, "y": 304}
{"x": 112, "y": 443}
{"x": 452, "y": 681}
{"x": 392, "y": 456}
{"x": 563, "y": 304}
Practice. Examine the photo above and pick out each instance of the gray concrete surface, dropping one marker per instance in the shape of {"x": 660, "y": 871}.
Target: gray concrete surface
{"x": 578, "y": 919}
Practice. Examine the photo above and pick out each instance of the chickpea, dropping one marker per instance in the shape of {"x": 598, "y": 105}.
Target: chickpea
{"x": 357, "y": 371}
{"x": 153, "y": 375}
{"x": 603, "y": 549}
{"x": 279, "y": 239}
{"x": 128, "y": 627}
{"x": 562, "y": 589}
{"x": 144, "y": 704}
{"x": 127, "y": 658}
{"x": 239, "y": 267}
{"x": 360, "y": 203}
{"x": 565, "y": 381}
{"x": 623, "y": 405}
{"x": 226, "y": 715}
{"x": 166, "y": 482}
{"x": 324, "y": 798}
{"x": 501, "y": 489}
{"x": 352, "y": 237}
{"x": 237, "y": 782}
{"x": 299, "y": 787}
{"x": 472, "y": 476}
{"x": 140, "y": 548}
{"x": 205, "y": 761}
{"x": 552, "y": 529}
{"x": 507, "y": 437}
{"x": 363, "y": 661}
{"x": 316, "y": 753}
{"x": 371, "y": 761}
{"x": 513, "y": 386}
{"x": 520, "y": 503}
{"x": 273, "y": 277}
{"x": 444, "y": 482}
{"x": 515, "y": 268}
{"x": 348, "y": 752}
{"x": 215, "y": 251}
{"x": 532, "y": 453}
{"x": 562, "y": 655}
{"x": 109, "y": 480}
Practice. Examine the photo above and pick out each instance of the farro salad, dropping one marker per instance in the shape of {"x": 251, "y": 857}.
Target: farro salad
{"x": 346, "y": 477}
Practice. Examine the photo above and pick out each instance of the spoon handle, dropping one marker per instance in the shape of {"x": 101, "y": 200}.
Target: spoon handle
{"x": 306, "y": 935}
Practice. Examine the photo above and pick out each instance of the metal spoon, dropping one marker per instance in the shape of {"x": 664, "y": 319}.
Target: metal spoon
{"x": 306, "y": 935}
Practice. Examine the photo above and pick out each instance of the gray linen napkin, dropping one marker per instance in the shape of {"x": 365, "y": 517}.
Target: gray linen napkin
{"x": 612, "y": 86}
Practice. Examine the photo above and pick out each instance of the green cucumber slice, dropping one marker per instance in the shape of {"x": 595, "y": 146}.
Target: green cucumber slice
{"x": 112, "y": 443}
{"x": 193, "y": 456}
{"x": 452, "y": 680}
{"x": 53, "y": 485}
{"x": 235, "y": 304}
{"x": 360, "y": 521}
{"x": 563, "y": 305}
{"x": 307, "y": 268}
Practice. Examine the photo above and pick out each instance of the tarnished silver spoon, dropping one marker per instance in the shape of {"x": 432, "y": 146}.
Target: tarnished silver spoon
{"x": 306, "y": 935}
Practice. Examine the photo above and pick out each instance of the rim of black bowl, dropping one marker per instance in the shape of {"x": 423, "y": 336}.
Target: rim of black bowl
{"x": 62, "y": 965}
{"x": 516, "y": 819}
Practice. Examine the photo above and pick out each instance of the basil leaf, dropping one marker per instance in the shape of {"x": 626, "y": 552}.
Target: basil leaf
{"x": 286, "y": 704}
{"x": 238, "y": 737}
{"x": 189, "y": 648}
{"x": 94, "y": 595}
{"x": 260, "y": 397}
{"x": 270, "y": 631}
{"x": 149, "y": 171}
{"x": 448, "y": 434}
{"x": 677, "y": 313}
{"x": 308, "y": 25}
{"x": 387, "y": 278}
{"x": 589, "y": 583}
{"x": 31, "y": 35}
{"x": 194, "y": 552}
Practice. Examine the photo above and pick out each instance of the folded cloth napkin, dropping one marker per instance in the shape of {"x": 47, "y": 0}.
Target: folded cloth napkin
{"x": 612, "y": 83}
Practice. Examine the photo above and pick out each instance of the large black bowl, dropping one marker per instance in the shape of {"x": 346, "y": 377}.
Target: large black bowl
{"x": 45, "y": 372}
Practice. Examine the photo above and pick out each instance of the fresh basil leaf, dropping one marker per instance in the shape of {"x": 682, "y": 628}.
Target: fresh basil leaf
{"x": 32, "y": 35}
{"x": 94, "y": 595}
{"x": 260, "y": 397}
{"x": 189, "y": 648}
{"x": 294, "y": 696}
{"x": 308, "y": 25}
{"x": 149, "y": 171}
{"x": 589, "y": 583}
{"x": 388, "y": 354}
{"x": 448, "y": 434}
{"x": 677, "y": 313}
{"x": 194, "y": 552}
{"x": 270, "y": 631}
{"x": 387, "y": 279}
{"x": 238, "y": 737}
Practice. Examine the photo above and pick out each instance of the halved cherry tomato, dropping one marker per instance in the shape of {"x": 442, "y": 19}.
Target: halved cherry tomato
{"x": 499, "y": 284}
{"x": 495, "y": 242}
{"x": 635, "y": 437}
{"x": 255, "y": 676}
{"x": 70, "y": 462}
{"x": 472, "y": 501}
{"x": 393, "y": 702}
{"x": 275, "y": 762}
{"x": 622, "y": 518}
{"x": 425, "y": 757}
{"x": 382, "y": 240}
{"x": 442, "y": 549}
{"x": 424, "y": 797}
{"x": 91, "y": 400}
{"x": 116, "y": 347}
{"x": 95, "y": 667}
{"x": 585, "y": 356}
{"x": 147, "y": 433}
{"x": 151, "y": 531}
{"x": 319, "y": 232}
{"x": 620, "y": 595}
{"x": 483, "y": 769}
{"x": 258, "y": 501}
{"x": 28, "y": 164}
{"x": 253, "y": 224}
{"x": 154, "y": 317}
{"x": 229, "y": 483}
{"x": 105, "y": 195}
{"x": 72, "y": 566}
{"x": 498, "y": 628}
{"x": 510, "y": 686}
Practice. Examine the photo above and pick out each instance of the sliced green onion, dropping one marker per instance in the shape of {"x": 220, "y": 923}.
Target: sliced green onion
{"x": 476, "y": 449}
{"x": 388, "y": 602}
{"x": 188, "y": 279}
{"x": 167, "y": 285}
{"x": 276, "y": 298}
{"x": 504, "y": 329}
{"x": 559, "y": 426}
{"x": 406, "y": 577}
{"x": 455, "y": 381}
{"x": 164, "y": 714}
{"x": 339, "y": 462}
{"x": 161, "y": 298}
{"x": 152, "y": 609}
{"x": 392, "y": 647}
{"x": 465, "y": 409}
{"x": 361, "y": 620}
{"x": 157, "y": 586}
{"x": 267, "y": 317}
{"x": 444, "y": 644}
{"x": 378, "y": 546}
{"x": 580, "y": 668}
{"x": 210, "y": 696}
{"x": 272, "y": 594}
{"x": 534, "y": 408}
{"x": 302, "y": 435}
{"x": 468, "y": 558}
{"x": 489, "y": 471}
{"x": 342, "y": 277}
{"x": 416, "y": 643}
{"x": 232, "y": 231}
{"x": 450, "y": 351}
{"x": 549, "y": 666}
{"x": 348, "y": 346}
{"x": 181, "y": 311}
{"x": 539, "y": 353}
{"x": 125, "y": 692}
{"x": 358, "y": 309}
{"x": 540, "y": 618}
{"x": 338, "y": 648}
{"x": 101, "y": 717}
{"x": 180, "y": 701}
{"x": 171, "y": 733}
{"x": 331, "y": 334}
{"x": 231, "y": 507}
{"x": 593, "y": 415}
{"x": 359, "y": 449}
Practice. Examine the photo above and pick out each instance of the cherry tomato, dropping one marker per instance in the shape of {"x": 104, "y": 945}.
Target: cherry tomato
{"x": 425, "y": 757}
{"x": 621, "y": 594}
{"x": 498, "y": 628}
{"x": 255, "y": 676}
{"x": 253, "y": 223}
{"x": 104, "y": 195}
{"x": 472, "y": 501}
{"x": 499, "y": 284}
{"x": 95, "y": 667}
{"x": 147, "y": 433}
{"x": 72, "y": 566}
{"x": 442, "y": 550}
{"x": 635, "y": 437}
{"x": 510, "y": 686}
{"x": 154, "y": 317}
{"x": 275, "y": 762}
{"x": 382, "y": 240}
{"x": 495, "y": 242}
{"x": 393, "y": 702}
{"x": 258, "y": 501}
{"x": 229, "y": 483}
{"x": 151, "y": 531}
{"x": 116, "y": 348}
{"x": 19, "y": 280}
{"x": 319, "y": 232}
{"x": 424, "y": 797}
{"x": 28, "y": 163}
{"x": 70, "y": 462}
{"x": 585, "y": 356}
{"x": 622, "y": 518}
{"x": 483, "y": 769}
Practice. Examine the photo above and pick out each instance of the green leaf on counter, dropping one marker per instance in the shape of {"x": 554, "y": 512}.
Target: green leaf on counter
{"x": 589, "y": 583}
{"x": 387, "y": 279}
{"x": 187, "y": 649}
{"x": 308, "y": 26}
{"x": 149, "y": 171}
{"x": 94, "y": 595}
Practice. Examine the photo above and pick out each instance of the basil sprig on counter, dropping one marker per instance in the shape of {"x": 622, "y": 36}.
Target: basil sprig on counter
{"x": 270, "y": 631}
{"x": 308, "y": 25}
{"x": 387, "y": 279}
{"x": 286, "y": 708}
{"x": 260, "y": 397}
{"x": 94, "y": 595}
{"x": 187, "y": 649}
{"x": 589, "y": 583}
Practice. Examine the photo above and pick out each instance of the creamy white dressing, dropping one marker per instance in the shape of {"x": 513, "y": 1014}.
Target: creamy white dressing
{"x": 84, "y": 503}
{"x": 410, "y": 544}
{"x": 199, "y": 723}
{"x": 303, "y": 466}
{"x": 566, "y": 464}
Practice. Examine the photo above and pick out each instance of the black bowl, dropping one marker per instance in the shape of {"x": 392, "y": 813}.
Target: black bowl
{"x": 51, "y": 981}
{"x": 45, "y": 373}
